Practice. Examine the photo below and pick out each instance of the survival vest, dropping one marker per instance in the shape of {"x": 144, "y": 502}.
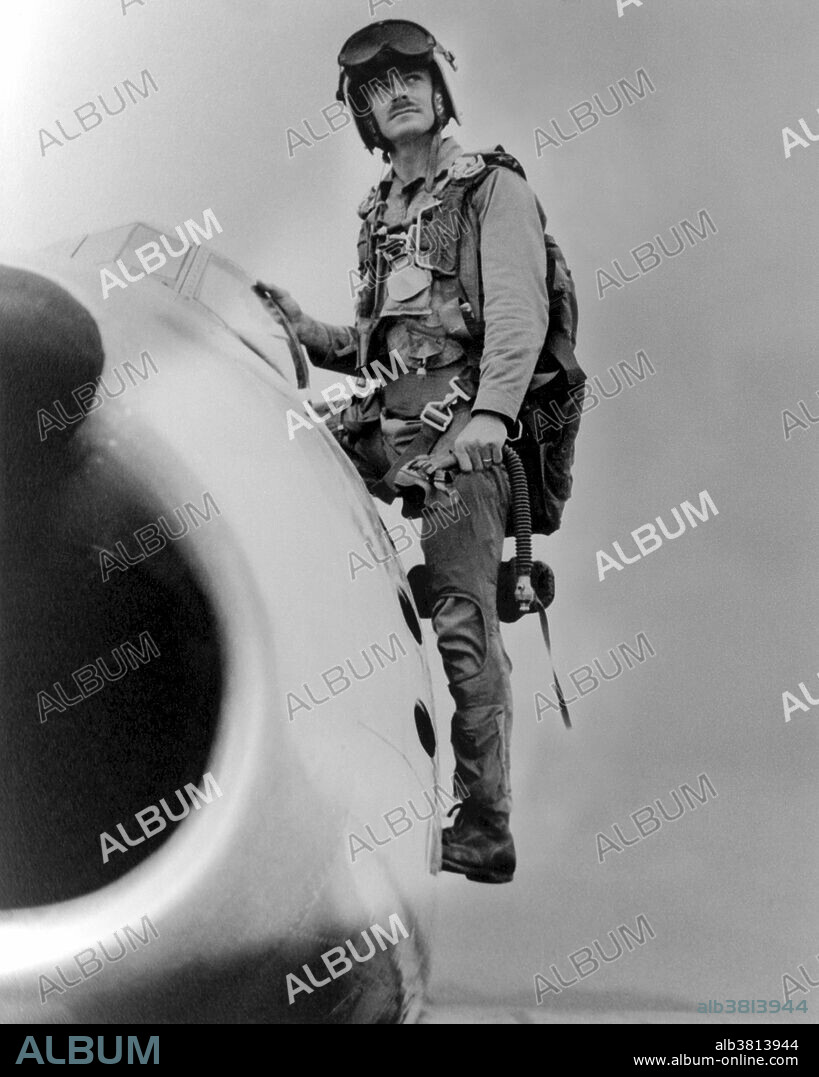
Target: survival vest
{"x": 550, "y": 415}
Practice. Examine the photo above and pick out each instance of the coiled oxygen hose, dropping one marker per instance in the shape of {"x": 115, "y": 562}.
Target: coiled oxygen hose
{"x": 522, "y": 527}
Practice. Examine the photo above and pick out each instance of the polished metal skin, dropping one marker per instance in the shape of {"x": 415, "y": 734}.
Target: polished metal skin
{"x": 247, "y": 606}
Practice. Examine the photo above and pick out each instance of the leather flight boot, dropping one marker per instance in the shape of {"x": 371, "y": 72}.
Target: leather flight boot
{"x": 480, "y": 846}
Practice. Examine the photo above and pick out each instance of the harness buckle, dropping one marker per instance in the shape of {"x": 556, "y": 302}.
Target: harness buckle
{"x": 438, "y": 413}
{"x": 415, "y": 231}
{"x": 433, "y": 415}
{"x": 396, "y": 247}
{"x": 513, "y": 439}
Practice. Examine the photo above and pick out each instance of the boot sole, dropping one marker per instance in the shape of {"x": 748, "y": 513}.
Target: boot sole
{"x": 490, "y": 877}
{"x": 474, "y": 875}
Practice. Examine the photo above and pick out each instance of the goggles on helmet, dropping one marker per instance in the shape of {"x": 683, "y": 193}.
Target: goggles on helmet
{"x": 397, "y": 36}
{"x": 391, "y": 35}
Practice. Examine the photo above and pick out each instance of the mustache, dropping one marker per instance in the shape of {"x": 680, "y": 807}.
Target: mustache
{"x": 403, "y": 108}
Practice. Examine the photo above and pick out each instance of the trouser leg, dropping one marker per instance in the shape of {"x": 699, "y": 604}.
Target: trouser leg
{"x": 462, "y": 556}
{"x": 463, "y": 552}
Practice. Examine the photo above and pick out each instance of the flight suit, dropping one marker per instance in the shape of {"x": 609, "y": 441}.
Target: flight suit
{"x": 428, "y": 332}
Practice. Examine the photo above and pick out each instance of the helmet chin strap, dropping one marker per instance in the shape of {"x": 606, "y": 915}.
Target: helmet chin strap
{"x": 432, "y": 158}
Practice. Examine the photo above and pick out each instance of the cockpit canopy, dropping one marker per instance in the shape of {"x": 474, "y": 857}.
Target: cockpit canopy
{"x": 209, "y": 279}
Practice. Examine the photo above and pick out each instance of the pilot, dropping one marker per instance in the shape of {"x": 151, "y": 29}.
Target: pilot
{"x": 468, "y": 340}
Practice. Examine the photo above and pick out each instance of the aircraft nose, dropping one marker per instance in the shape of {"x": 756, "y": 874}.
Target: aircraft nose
{"x": 49, "y": 346}
{"x": 113, "y": 748}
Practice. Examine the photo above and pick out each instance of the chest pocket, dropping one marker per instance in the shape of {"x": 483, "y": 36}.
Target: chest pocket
{"x": 435, "y": 340}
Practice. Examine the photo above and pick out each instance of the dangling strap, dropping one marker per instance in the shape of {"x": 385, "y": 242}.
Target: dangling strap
{"x": 544, "y": 627}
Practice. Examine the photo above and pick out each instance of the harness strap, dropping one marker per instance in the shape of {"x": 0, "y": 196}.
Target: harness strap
{"x": 422, "y": 445}
{"x": 544, "y": 627}
{"x": 432, "y": 161}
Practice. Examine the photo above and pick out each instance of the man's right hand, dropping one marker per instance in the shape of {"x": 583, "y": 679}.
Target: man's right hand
{"x": 311, "y": 333}
{"x": 285, "y": 301}
{"x": 318, "y": 338}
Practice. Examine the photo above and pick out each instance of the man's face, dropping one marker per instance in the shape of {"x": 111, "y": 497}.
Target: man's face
{"x": 402, "y": 104}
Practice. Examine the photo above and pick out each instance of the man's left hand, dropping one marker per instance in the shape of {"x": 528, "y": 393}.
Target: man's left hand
{"x": 480, "y": 443}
